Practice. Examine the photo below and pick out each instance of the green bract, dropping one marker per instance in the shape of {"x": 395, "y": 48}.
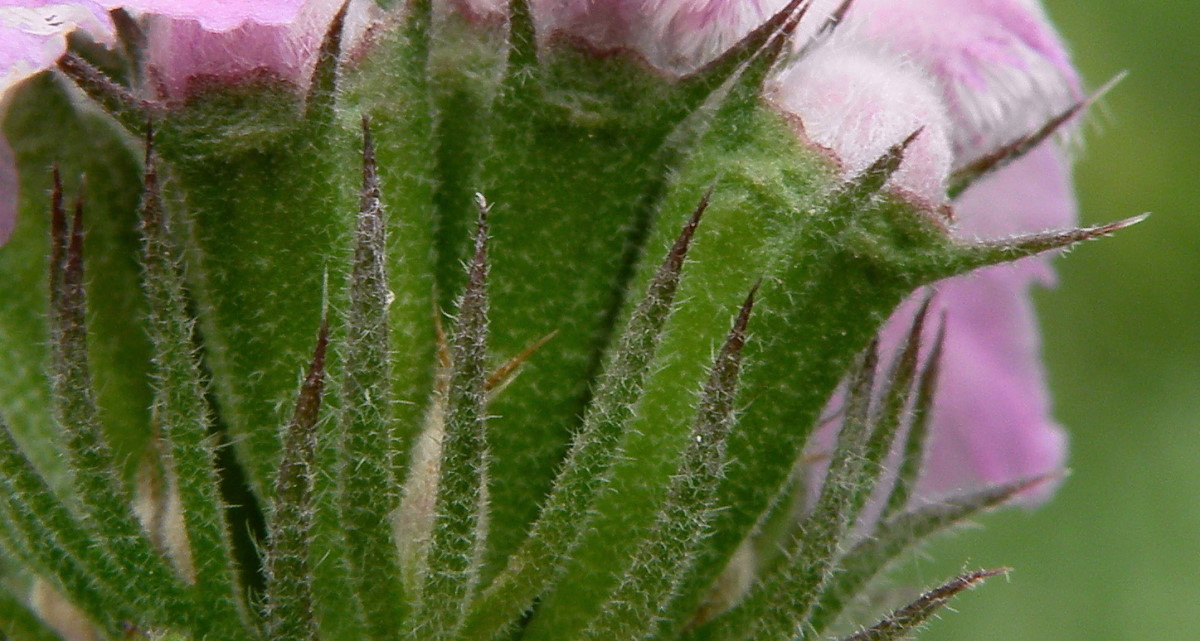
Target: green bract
{"x": 644, "y": 321}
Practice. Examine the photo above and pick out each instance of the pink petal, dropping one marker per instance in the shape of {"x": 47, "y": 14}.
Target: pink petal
{"x": 991, "y": 422}
{"x": 857, "y": 103}
{"x": 184, "y": 54}
{"x": 1000, "y": 63}
{"x": 675, "y": 36}
{"x": 219, "y": 15}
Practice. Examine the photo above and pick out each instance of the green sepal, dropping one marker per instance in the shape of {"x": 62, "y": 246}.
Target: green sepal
{"x": 537, "y": 565}
{"x": 591, "y": 140}
{"x": 369, "y": 437}
{"x": 780, "y": 604}
{"x": 967, "y": 256}
{"x": 44, "y": 128}
{"x": 40, "y": 532}
{"x": 460, "y": 510}
{"x": 183, "y": 419}
{"x": 830, "y": 278}
{"x": 391, "y": 89}
{"x": 103, "y": 498}
{"x": 267, "y": 207}
{"x": 661, "y": 559}
{"x": 289, "y": 601}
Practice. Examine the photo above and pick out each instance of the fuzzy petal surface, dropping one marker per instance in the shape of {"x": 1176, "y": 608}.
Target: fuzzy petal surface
{"x": 186, "y": 54}
{"x": 856, "y": 102}
{"x": 1001, "y": 65}
{"x": 33, "y": 34}
{"x": 220, "y": 15}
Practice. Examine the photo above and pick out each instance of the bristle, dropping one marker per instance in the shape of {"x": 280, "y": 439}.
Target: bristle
{"x": 522, "y": 37}
{"x": 913, "y": 453}
{"x": 119, "y": 102}
{"x": 831, "y": 24}
{"x": 892, "y": 538}
{"x": 764, "y": 41}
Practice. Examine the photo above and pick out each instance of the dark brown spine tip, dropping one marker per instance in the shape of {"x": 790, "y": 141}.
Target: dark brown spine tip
{"x": 683, "y": 242}
{"x": 839, "y": 15}
{"x": 890, "y": 161}
{"x": 999, "y": 158}
{"x": 918, "y": 326}
{"x": 370, "y": 168}
{"x": 743, "y": 317}
{"x": 835, "y": 19}
{"x": 308, "y": 404}
{"x": 118, "y": 100}
{"x": 767, "y": 39}
{"x": 318, "y": 363}
{"x": 323, "y": 84}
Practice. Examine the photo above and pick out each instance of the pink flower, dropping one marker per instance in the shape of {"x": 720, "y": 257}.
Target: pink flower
{"x": 33, "y": 32}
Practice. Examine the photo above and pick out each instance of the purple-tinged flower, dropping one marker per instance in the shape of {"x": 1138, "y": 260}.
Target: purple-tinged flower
{"x": 1001, "y": 66}
{"x": 184, "y": 52}
{"x": 857, "y": 102}
{"x": 33, "y": 34}
{"x": 223, "y": 15}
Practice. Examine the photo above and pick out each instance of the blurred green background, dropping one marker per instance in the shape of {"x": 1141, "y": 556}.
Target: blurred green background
{"x": 1116, "y": 555}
